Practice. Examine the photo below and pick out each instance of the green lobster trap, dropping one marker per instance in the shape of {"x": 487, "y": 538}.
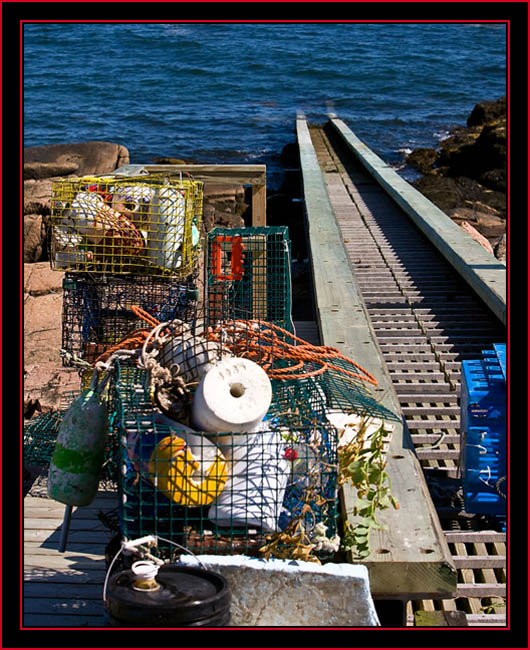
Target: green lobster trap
{"x": 97, "y": 309}
{"x": 227, "y": 493}
{"x": 195, "y": 473}
{"x": 147, "y": 225}
{"x": 249, "y": 274}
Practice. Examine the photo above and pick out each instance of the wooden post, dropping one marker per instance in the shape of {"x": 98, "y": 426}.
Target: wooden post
{"x": 259, "y": 205}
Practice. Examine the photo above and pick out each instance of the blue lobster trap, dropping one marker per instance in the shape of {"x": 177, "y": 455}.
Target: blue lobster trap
{"x": 97, "y": 309}
{"x": 483, "y": 456}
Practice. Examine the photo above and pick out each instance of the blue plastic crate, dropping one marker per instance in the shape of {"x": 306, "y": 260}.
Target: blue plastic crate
{"x": 483, "y": 454}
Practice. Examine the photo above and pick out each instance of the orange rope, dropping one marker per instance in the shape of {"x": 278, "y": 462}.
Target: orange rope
{"x": 319, "y": 355}
{"x": 132, "y": 341}
{"x": 259, "y": 342}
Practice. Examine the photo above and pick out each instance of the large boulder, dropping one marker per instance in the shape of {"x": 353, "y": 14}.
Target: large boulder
{"x": 34, "y": 237}
{"x": 224, "y": 205}
{"x": 487, "y": 111}
{"x": 93, "y": 157}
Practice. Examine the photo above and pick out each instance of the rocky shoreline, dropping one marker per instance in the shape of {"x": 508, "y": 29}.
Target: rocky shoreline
{"x": 466, "y": 176}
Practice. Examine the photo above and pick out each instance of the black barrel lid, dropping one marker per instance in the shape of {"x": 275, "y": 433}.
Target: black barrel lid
{"x": 186, "y": 594}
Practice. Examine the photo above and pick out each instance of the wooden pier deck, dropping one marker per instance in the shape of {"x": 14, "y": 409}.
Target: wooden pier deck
{"x": 65, "y": 589}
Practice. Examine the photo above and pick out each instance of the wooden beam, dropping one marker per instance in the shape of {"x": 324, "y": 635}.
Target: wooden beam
{"x": 224, "y": 174}
{"x": 409, "y": 556}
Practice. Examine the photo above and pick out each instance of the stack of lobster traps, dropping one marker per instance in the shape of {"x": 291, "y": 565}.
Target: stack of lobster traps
{"x": 218, "y": 419}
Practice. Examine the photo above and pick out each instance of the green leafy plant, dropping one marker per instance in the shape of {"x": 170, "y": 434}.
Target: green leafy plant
{"x": 362, "y": 462}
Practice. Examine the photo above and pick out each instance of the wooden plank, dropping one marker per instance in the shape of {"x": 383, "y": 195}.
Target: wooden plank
{"x": 481, "y": 590}
{"x": 68, "y": 591}
{"x": 33, "y": 523}
{"x": 63, "y": 606}
{"x": 440, "y": 619}
{"x": 40, "y": 575}
{"x": 53, "y": 537}
{"x": 63, "y": 620}
{"x": 470, "y": 536}
{"x": 64, "y": 589}
{"x": 68, "y": 560}
{"x": 479, "y": 561}
{"x": 486, "y": 619}
{"x": 485, "y": 274}
{"x": 410, "y": 554}
{"x": 223, "y": 174}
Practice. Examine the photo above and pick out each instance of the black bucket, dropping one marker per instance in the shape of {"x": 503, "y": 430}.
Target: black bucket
{"x": 186, "y": 597}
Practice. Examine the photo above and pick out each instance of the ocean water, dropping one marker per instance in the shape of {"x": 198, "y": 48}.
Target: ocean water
{"x": 229, "y": 93}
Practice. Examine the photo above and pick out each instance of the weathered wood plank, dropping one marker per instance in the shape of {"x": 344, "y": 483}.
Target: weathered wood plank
{"x": 55, "y": 560}
{"x": 47, "y": 523}
{"x": 259, "y": 205}
{"x": 481, "y": 590}
{"x": 63, "y": 606}
{"x": 66, "y": 591}
{"x": 40, "y": 575}
{"x": 63, "y": 620}
{"x": 440, "y": 619}
{"x": 471, "y": 536}
{"x": 479, "y": 561}
{"x": 226, "y": 174}
{"x": 96, "y": 548}
{"x": 53, "y": 537}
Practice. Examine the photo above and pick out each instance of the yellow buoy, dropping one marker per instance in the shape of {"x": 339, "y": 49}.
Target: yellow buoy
{"x": 183, "y": 478}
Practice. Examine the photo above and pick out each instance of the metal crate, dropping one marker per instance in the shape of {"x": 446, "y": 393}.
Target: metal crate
{"x": 115, "y": 224}
{"x": 227, "y": 493}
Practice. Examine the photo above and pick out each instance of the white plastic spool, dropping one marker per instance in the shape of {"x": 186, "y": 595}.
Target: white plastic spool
{"x": 234, "y": 395}
{"x": 166, "y": 232}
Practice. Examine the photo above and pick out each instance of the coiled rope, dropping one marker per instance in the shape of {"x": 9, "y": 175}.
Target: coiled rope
{"x": 260, "y": 341}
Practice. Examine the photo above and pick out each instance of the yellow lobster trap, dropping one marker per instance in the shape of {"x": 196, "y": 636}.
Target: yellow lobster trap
{"x": 147, "y": 225}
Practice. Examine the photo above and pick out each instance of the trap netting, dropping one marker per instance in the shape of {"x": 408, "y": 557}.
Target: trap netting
{"x": 147, "y": 225}
{"x": 249, "y": 274}
{"x": 97, "y": 310}
{"x": 226, "y": 442}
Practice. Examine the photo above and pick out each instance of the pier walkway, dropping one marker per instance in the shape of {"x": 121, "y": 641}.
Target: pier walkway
{"x": 400, "y": 288}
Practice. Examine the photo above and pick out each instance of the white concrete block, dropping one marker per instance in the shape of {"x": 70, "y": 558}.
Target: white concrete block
{"x": 293, "y": 593}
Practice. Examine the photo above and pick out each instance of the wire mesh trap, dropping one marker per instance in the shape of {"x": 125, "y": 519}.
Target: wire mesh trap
{"x": 141, "y": 226}
{"x": 249, "y": 274}
{"x": 97, "y": 309}
{"x": 228, "y": 492}
{"x": 268, "y": 488}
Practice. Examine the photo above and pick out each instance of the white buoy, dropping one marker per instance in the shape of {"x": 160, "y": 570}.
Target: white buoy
{"x": 233, "y": 396}
{"x": 253, "y": 494}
